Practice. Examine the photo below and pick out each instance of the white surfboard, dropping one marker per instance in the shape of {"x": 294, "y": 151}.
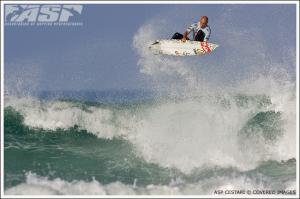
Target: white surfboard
{"x": 180, "y": 48}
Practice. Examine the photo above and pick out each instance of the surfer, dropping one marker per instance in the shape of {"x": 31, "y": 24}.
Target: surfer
{"x": 201, "y": 31}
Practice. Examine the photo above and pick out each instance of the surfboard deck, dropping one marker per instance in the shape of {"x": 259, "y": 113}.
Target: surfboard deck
{"x": 179, "y": 48}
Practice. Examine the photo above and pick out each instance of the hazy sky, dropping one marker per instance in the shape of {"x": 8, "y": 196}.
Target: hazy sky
{"x": 99, "y": 55}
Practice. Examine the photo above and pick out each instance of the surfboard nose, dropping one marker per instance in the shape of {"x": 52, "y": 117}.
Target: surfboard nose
{"x": 213, "y": 46}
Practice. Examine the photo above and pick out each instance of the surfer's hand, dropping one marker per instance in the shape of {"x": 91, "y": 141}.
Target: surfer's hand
{"x": 183, "y": 39}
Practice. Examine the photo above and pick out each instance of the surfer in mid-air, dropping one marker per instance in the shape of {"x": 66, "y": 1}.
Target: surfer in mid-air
{"x": 179, "y": 46}
{"x": 200, "y": 30}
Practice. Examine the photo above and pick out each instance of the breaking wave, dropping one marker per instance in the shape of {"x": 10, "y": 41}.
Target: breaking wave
{"x": 237, "y": 130}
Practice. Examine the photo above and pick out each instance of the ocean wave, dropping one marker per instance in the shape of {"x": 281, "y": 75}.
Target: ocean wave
{"x": 238, "y": 130}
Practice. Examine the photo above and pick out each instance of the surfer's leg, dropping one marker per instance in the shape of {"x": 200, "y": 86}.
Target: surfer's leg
{"x": 177, "y": 35}
{"x": 199, "y": 36}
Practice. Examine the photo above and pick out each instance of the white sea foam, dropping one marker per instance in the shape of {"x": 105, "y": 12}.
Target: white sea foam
{"x": 38, "y": 185}
{"x": 193, "y": 133}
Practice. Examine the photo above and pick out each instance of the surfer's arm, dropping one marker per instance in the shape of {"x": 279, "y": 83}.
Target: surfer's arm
{"x": 191, "y": 28}
{"x": 185, "y": 35}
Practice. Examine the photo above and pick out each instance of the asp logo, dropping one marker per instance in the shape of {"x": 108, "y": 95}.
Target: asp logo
{"x": 41, "y": 13}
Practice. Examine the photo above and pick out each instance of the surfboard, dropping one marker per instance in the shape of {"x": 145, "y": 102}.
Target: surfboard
{"x": 180, "y": 48}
